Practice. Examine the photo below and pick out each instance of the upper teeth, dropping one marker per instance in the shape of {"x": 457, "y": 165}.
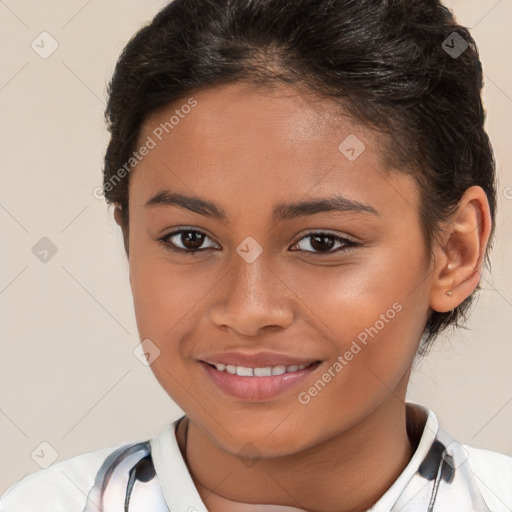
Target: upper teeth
{"x": 244, "y": 371}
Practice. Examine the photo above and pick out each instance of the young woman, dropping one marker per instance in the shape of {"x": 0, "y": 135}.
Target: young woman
{"x": 307, "y": 198}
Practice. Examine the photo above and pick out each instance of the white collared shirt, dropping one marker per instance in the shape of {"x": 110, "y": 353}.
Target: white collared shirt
{"x": 152, "y": 476}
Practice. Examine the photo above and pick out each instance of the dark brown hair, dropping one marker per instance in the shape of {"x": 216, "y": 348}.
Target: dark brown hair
{"x": 403, "y": 67}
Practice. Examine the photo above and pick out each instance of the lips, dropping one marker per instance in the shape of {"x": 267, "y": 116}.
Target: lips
{"x": 256, "y": 360}
{"x": 257, "y": 389}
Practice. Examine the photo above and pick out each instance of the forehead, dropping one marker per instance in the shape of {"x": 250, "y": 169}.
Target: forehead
{"x": 248, "y": 145}
{"x": 238, "y": 112}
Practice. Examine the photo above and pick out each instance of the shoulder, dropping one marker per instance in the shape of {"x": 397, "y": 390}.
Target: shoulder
{"x": 493, "y": 475}
{"x": 62, "y": 487}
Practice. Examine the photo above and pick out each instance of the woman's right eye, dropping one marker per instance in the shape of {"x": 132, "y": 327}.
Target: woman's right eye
{"x": 190, "y": 240}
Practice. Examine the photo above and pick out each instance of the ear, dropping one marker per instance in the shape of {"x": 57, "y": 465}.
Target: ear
{"x": 459, "y": 257}
{"x": 118, "y": 216}
{"x": 120, "y": 221}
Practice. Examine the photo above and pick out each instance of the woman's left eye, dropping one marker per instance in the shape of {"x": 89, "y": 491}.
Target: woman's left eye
{"x": 324, "y": 243}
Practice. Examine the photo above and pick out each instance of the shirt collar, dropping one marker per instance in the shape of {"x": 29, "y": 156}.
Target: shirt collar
{"x": 437, "y": 474}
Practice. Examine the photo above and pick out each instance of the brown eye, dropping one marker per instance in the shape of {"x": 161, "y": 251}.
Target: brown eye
{"x": 323, "y": 243}
{"x": 187, "y": 241}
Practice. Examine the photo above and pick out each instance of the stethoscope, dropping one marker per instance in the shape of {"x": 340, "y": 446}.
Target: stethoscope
{"x": 143, "y": 471}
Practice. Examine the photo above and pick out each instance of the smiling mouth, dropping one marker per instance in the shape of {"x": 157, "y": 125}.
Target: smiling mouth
{"x": 267, "y": 371}
{"x": 257, "y": 384}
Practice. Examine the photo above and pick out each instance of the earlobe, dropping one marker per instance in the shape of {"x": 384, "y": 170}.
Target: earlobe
{"x": 118, "y": 216}
{"x": 459, "y": 261}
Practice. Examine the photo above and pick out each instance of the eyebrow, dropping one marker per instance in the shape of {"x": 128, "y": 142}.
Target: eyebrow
{"x": 282, "y": 211}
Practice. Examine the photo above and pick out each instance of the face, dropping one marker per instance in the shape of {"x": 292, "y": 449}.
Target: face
{"x": 306, "y": 249}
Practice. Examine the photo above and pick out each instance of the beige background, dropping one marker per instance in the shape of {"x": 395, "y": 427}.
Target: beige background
{"x": 67, "y": 370}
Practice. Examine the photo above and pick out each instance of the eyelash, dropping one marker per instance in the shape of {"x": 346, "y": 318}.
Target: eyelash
{"x": 349, "y": 244}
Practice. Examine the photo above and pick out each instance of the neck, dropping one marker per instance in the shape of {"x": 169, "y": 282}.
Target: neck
{"x": 347, "y": 473}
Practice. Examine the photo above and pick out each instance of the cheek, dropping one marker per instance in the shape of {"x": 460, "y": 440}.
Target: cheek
{"x": 164, "y": 301}
{"x": 372, "y": 313}
{"x": 344, "y": 300}
{"x": 164, "y": 295}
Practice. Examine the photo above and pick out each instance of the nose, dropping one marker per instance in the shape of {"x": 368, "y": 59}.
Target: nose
{"x": 252, "y": 298}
